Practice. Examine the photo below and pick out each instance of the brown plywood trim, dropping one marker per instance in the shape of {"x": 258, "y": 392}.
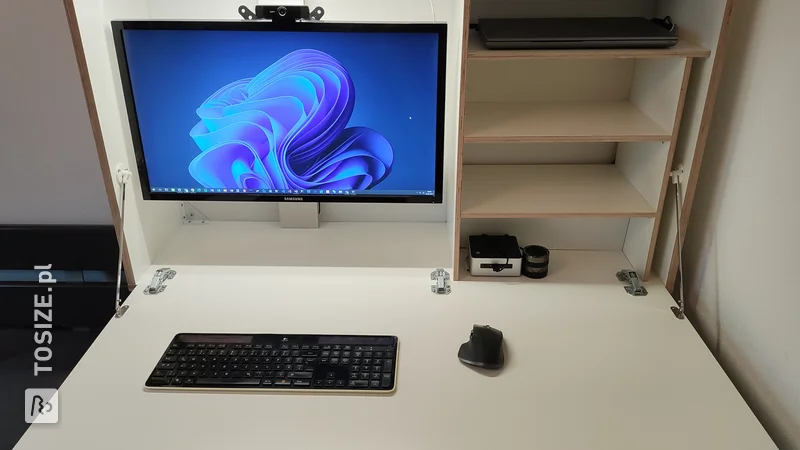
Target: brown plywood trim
{"x": 91, "y": 106}
{"x": 676, "y": 129}
{"x": 702, "y": 139}
{"x": 460, "y": 155}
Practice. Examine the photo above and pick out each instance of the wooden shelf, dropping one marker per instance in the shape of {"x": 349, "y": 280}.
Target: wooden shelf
{"x": 566, "y": 266}
{"x": 684, "y": 49}
{"x": 506, "y": 192}
{"x": 559, "y": 122}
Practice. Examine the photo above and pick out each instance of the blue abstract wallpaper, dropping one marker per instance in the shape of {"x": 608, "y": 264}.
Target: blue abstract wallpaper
{"x": 286, "y": 110}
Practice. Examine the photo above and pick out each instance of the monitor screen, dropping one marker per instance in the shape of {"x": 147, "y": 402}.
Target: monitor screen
{"x": 261, "y": 111}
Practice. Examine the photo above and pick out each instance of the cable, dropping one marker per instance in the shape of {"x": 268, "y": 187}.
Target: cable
{"x": 433, "y": 11}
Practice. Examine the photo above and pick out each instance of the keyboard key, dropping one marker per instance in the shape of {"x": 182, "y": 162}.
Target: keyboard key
{"x": 166, "y": 366}
{"x": 172, "y": 352}
{"x": 284, "y": 346}
{"x": 258, "y": 346}
{"x": 176, "y": 382}
{"x": 340, "y": 383}
{"x": 158, "y": 381}
{"x": 298, "y": 360}
{"x": 346, "y": 354}
{"x": 247, "y": 375}
{"x": 376, "y": 376}
{"x": 358, "y": 383}
{"x": 280, "y": 375}
{"x": 299, "y": 367}
{"x": 353, "y": 375}
{"x": 388, "y": 354}
{"x": 366, "y": 361}
{"x": 358, "y": 354}
{"x": 356, "y": 360}
{"x": 295, "y": 347}
{"x": 323, "y": 360}
{"x": 336, "y": 354}
{"x": 302, "y": 383}
{"x": 191, "y": 346}
{"x": 318, "y": 383}
{"x": 183, "y": 373}
{"x": 326, "y": 347}
{"x": 248, "y": 346}
{"x": 281, "y": 383}
{"x": 237, "y": 346}
{"x": 347, "y": 347}
{"x": 325, "y": 354}
{"x": 364, "y": 376}
{"x": 258, "y": 374}
{"x": 268, "y": 346}
{"x": 334, "y": 360}
{"x": 367, "y": 354}
{"x": 374, "y": 384}
{"x": 329, "y": 383}
{"x": 305, "y": 347}
{"x": 266, "y": 382}
{"x": 376, "y": 368}
{"x": 355, "y": 368}
{"x": 303, "y": 375}
{"x": 345, "y": 361}
{"x": 188, "y": 382}
{"x": 223, "y": 382}
{"x": 386, "y": 381}
{"x": 288, "y": 359}
{"x": 337, "y": 347}
{"x": 276, "y": 353}
{"x": 287, "y": 367}
{"x": 311, "y": 361}
{"x": 296, "y": 353}
{"x": 309, "y": 354}
{"x": 315, "y": 347}
{"x": 330, "y": 375}
{"x": 159, "y": 373}
{"x": 387, "y": 365}
{"x": 379, "y": 354}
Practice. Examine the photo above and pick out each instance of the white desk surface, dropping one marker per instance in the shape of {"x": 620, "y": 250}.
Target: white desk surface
{"x": 588, "y": 367}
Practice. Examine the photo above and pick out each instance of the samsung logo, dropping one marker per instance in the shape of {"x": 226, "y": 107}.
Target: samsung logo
{"x": 293, "y": 199}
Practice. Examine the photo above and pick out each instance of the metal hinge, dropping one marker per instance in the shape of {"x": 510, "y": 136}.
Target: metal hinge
{"x": 634, "y": 286}
{"x": 442, "y": 282}
{"x": 157, "y": 285}
{"x": 192, "y": 215}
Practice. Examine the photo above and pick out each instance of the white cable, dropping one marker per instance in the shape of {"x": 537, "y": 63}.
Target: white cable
{"x": 433, "y": 11}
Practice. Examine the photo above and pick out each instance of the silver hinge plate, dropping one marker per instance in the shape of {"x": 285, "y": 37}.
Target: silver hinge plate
{"x": 192, "y": 215}
{"x": 634, "y": 286}
{"x": 157, "y": 285}
{"x": 441, "y": 285}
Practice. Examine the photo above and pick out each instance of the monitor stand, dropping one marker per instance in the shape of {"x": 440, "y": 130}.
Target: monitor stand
{"x": 298, "y": 215}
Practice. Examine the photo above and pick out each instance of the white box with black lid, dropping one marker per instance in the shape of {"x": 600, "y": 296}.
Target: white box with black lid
{"x": 494, "y": 256}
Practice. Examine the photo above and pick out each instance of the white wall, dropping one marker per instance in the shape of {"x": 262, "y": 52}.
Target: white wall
{"x": 744, "y": 237}
{"x": 49, "y": 170}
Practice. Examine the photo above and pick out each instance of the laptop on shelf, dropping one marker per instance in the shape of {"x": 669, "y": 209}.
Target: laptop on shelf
{"x": 575, "y": 33}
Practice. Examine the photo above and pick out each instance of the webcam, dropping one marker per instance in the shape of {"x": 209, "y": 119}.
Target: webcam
{"x": 279, "y": 13}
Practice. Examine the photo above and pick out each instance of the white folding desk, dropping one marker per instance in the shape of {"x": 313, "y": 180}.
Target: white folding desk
{"x": 588, "y": 367}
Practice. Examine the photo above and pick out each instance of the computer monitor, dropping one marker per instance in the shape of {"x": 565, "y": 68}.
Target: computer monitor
{"x": 306, "y": 111}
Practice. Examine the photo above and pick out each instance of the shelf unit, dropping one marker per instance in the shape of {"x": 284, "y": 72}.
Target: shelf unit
{"x": 632, "y": 99}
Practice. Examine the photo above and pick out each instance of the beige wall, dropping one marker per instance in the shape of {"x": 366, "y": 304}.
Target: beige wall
{"x": 743, "y": 244}
{"x": 49, "y": 170}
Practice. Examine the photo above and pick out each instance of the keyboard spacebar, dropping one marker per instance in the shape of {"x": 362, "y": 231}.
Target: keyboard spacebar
{"x": 225, "y": 382}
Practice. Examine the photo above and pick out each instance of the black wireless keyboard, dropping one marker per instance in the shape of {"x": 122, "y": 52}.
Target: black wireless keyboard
{"x": 277, "y": 362}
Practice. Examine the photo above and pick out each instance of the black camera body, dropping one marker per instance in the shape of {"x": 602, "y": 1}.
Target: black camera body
{"x": 279, "y": 13}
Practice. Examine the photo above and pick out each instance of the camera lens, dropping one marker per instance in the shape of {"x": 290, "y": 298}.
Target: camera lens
{"x": 282, "y": 11}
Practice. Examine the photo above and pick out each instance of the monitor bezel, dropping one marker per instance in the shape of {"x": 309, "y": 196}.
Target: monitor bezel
{"x": 118, "y": 26}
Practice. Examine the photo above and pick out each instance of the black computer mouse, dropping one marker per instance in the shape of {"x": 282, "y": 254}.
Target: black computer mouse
{"x": 484, "y": 348}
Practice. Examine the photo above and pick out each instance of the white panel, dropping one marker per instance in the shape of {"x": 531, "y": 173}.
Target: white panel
{"x": 643, "y": 164}
{"x": 563, "y": 234}
{"x": 556, "y": 8}
{"x": 566, "y": 153}
{"x": 451, "y": 161}
{"x": 699, "y": 22}
{"x": 549, "y": 80}
{"x": 424, "y": 245}
{"x": 656, "y": 89}
{"x": 637, "y": 243}
{"x": 148, "y": 224}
